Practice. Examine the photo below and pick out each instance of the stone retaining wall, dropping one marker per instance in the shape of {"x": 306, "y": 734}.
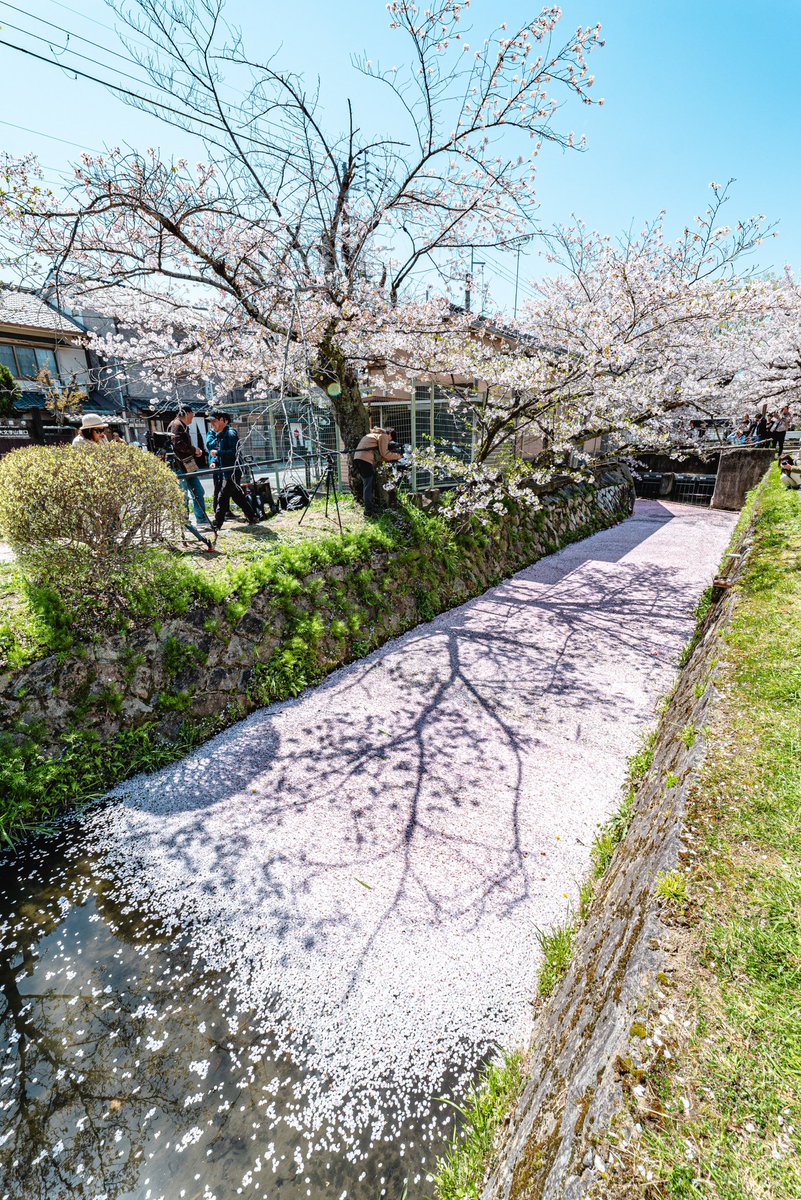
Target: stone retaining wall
{"x": 584, "y": 1056}
{"x": 208, "y": 663}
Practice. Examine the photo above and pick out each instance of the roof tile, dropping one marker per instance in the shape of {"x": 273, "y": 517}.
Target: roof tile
{"x": 24, "y": 309}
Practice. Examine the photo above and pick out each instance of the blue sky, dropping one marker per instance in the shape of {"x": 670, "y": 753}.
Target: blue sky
{"x": 694, "y": 92}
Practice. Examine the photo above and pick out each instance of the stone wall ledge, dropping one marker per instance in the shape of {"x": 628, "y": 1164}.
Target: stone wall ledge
{"x": 199, "y": 665}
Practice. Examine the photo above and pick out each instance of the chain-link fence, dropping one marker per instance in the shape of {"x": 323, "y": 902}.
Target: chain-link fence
{"x": 291, "y": 436}
{"x": 287, "y": 438}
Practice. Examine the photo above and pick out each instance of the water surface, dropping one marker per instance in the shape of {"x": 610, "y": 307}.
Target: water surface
{"x": 129, "y": 1072}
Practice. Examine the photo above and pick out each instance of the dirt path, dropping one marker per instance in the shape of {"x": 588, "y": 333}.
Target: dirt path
{"x": 369, "y": 864}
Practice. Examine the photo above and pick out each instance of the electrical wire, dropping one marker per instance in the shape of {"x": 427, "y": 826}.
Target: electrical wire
{"x": 60, "y": 28}
{"x": 145, "y": 100}
{"x": 288, "y": 147}
{"x": 111, "y": 86}
{"x": 51, "y": 136}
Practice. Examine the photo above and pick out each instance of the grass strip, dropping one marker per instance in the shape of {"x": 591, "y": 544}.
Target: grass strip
{"x": 460, "y": 1173}
{"x": 724, "y": 1121}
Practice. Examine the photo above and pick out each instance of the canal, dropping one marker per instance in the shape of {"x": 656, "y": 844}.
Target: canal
{"x": 128, "y": 1071}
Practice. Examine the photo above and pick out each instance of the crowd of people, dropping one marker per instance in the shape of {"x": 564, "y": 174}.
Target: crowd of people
{"x": 221, "y": 452}
{"x": 764, "y": 428}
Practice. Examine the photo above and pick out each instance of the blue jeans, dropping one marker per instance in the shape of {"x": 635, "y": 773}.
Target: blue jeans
{"x": 193, "y": 487}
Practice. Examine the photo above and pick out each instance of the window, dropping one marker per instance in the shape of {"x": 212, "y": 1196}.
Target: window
{"x": 47, "y": 359}
{"x": 25, "y": 362}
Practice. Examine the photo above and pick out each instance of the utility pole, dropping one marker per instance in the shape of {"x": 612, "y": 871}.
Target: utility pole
{"x": 517, "y": 277}
{"x": 468, "y": 288}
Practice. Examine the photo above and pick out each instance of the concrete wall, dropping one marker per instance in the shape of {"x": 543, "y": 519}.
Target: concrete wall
{"x": 738, "y": 472}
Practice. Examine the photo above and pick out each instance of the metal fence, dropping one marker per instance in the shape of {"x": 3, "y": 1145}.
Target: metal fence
{"x": 425, "y": 422}
{"x": 694, "y": 489}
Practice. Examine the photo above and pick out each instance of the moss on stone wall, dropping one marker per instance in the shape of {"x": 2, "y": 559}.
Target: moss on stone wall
{"x": 76, "y": 722}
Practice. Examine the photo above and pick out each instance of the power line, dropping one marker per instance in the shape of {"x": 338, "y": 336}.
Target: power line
{"x": 167, "y": 108}
{"x": 288, "y": 149}
{"x": 85, "y": 17}
{"x": 508, "y": 276}
{"x": 76, "y": 53}
{"x": 60, "y": 28}
{"x": 51, "y": 136}
{"x": 68, "y": 33}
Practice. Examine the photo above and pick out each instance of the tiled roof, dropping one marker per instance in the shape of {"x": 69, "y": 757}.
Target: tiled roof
{"x": 95, "y": 403}
{"x": 21, "y": 308}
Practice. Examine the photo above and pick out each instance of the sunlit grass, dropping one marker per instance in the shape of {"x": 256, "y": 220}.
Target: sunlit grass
{"x": 730, "y": 1111}
{"x": 460, "y": 1174}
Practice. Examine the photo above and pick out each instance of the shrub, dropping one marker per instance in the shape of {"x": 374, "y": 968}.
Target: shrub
{"x": 79, "y": 520}
{"x": 9, "y": 392}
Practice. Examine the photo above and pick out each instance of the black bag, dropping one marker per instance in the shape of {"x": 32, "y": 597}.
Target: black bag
{"x": 293, "y": 498}
{"x": 264, "y": 499}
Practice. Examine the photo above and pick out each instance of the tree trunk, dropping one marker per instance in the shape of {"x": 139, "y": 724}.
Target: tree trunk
{"x": 349, "y": 407}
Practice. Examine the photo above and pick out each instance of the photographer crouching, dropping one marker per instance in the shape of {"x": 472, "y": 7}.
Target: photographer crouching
{"x": 375, "y": 447}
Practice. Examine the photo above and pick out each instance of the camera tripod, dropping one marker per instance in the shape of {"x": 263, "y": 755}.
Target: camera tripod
{"x": 329, "y": 478}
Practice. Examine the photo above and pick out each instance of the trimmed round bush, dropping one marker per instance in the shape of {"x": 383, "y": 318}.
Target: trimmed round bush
{"x": 79, "y": 520}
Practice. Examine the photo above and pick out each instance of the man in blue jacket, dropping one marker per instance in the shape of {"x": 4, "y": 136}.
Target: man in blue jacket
{"x": 225, "y": 461}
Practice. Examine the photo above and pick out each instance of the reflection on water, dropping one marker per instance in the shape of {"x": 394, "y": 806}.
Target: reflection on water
{"x": 129, "y": 1073}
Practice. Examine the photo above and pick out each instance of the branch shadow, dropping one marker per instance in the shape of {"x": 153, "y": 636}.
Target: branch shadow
{"x": 402, "y": 778}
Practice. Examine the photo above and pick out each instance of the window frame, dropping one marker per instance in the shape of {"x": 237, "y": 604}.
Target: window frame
{"x": 38, "y": 353}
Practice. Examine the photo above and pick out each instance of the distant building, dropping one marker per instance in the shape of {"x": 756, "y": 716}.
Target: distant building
{"x": 34, "y": 336}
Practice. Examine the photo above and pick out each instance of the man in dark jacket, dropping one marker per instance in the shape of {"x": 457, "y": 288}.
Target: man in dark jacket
{"x": 759, "y": 430}
{"x": 187, "y": 455}
{"x": 225, "y": 455}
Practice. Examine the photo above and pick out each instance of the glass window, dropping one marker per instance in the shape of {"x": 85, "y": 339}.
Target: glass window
{"x": 46, "y": 358}
{"x": 8, "y": 360}
{"x": 26, "y": 361}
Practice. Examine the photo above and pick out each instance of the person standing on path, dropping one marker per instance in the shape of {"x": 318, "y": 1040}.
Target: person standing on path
{"x": 187, "y": 455}
{"x": 211, "y": 448}
{"x": 371, "y": 450}
{"x": 226, "y": 455}
{"x": 780, "y": 427}
{"x": 759, "y": 430}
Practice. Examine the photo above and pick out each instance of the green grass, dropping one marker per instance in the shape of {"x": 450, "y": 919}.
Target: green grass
{"x": 730, "y": 1111}
{"x": 37, "y": 789}
{"x": 556, "y": 946}
{"x": 671, "y": 886}
{"x": 701, "y": 609}
{"x": 316, "y": 567}
{"x": 461, "y": 1173}
{"x": 611, "y": 834}
{"x": 35, "y": 623}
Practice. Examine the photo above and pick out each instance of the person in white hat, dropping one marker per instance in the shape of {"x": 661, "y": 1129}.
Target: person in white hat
{"x": 91, "y": 432}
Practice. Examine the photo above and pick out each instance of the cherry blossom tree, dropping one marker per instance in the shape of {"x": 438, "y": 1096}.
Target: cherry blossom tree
{"x": 628, "y": 341}
{"x": 291, "y": 230}
{"x": 767, "y": 364}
